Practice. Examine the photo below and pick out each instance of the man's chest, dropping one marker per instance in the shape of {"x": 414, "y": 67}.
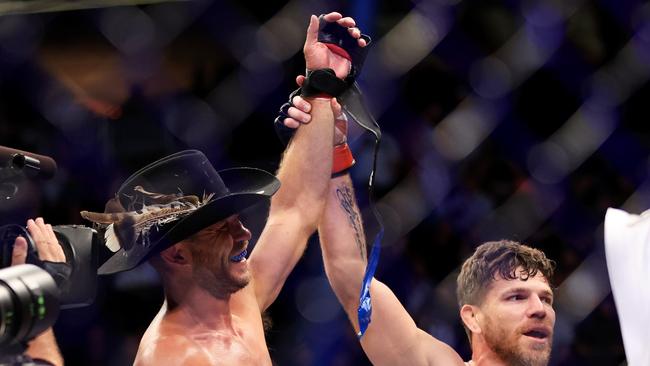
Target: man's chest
{"x": 243, "y": 348}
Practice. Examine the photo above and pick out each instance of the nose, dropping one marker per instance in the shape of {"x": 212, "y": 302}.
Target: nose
{"x": 536, "y": 307}
{"x": 237, "y": 229}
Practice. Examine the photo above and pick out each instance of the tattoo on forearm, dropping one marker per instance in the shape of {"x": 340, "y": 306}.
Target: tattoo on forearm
{"x": 346, "y": 200}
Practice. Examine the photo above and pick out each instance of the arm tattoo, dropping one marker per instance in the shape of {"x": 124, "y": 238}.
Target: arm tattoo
{"x": 346, "y": 200}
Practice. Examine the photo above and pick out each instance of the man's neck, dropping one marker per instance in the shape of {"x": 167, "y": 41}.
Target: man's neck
{"x": 483, "y": 355}
{"x": 485, "y": 360}
{"x": 194, "y": 306}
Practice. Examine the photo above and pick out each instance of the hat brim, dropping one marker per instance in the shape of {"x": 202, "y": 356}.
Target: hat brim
{"x": 248, "y": 187}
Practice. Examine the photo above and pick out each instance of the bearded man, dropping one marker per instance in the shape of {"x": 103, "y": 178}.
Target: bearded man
{"x": 504, "y": 289}
{"x": 182, "y": 216}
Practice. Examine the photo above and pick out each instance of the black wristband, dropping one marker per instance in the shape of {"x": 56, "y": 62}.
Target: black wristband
{"x": 323, "y": 81}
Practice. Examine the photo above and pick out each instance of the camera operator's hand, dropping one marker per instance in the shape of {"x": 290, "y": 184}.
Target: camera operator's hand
{"x": 43, "y": 347}
{"x": 46, "y": 243}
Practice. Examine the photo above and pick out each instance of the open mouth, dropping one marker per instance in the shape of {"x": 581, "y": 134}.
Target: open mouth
{"x": 539, "y": 333}
{"x": 239, "y": 257}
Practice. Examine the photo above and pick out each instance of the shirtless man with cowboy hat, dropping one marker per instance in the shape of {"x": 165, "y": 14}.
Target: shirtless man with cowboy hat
{"x": 182, "y": 216}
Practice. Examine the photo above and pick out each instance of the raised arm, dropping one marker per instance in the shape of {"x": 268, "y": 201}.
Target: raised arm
{"x": 304, "y": 174}
{"x": 392, "y": 338}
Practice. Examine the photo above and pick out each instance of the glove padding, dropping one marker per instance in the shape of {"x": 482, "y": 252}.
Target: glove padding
{"x": 285, "y": 133}
{"x": 331, "y": 33}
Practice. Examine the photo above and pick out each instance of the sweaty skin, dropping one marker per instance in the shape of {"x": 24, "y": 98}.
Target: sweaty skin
{"x": 513, "y": 325}
{"x": 214, "y": 296}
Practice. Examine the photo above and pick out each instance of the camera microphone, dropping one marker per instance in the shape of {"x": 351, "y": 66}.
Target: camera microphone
{"x": 35, "y": 165}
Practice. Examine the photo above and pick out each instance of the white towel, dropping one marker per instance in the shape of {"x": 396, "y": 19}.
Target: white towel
{"x": 627, "y": 248}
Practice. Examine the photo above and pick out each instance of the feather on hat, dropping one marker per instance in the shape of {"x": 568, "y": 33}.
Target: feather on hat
{"x": 170, "y": 200}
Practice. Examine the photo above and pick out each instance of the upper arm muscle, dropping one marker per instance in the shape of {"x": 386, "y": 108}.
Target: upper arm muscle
{"x": 393, "y": 338}
{"x": 280, "y": 246}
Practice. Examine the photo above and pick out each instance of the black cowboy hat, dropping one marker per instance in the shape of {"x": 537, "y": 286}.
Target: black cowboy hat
{"x": 170, "y": 200}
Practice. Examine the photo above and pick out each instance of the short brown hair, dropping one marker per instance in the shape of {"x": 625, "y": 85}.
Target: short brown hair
{"x": 501, "y": 258}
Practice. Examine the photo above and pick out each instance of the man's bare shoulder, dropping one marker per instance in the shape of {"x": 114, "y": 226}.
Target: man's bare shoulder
{"x": 170, "y": 350}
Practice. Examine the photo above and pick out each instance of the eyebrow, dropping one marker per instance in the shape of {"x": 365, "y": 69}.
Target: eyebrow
{"x": 523, "y": 289}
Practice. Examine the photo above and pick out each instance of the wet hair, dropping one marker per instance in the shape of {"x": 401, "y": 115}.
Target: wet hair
{"x": 504, "y": 258}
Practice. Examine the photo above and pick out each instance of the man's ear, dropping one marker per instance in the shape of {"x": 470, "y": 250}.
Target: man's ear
{"x": 470, "y": 316}
{"x": 176, "y": 254}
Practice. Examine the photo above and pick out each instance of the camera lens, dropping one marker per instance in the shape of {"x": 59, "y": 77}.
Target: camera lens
{"x": 28, "y": 303}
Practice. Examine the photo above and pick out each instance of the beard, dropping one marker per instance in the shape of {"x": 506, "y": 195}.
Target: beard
{"x": 504, "y": 344}
{"x": 213, "y": 276}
